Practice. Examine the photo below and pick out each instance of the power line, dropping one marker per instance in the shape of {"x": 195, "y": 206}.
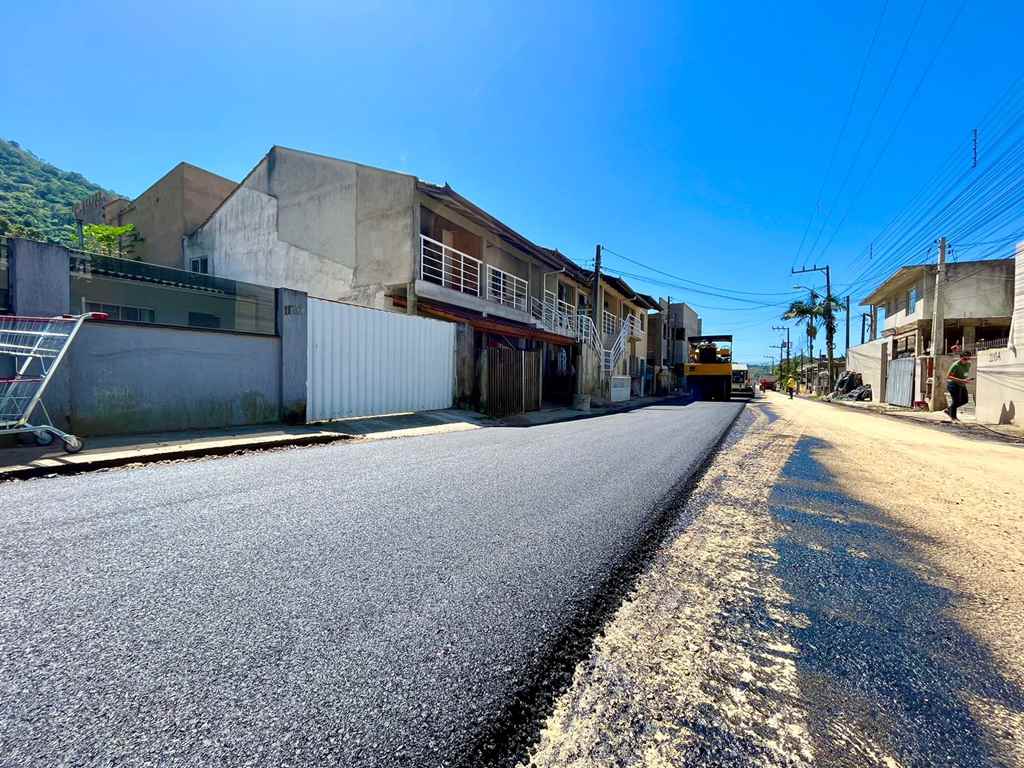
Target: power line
{"x": 694, "y": 282}
{"x": 842, "y": 130}
{"x": 895, "y": 128}
{"x": 870, "y": 125}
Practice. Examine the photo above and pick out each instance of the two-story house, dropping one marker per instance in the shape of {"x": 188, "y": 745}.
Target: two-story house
{"x": 977, "y": 303}
{"x": 343, "y": 231}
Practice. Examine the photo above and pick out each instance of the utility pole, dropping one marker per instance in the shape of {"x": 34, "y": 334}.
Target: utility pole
{"x": 829, "y": 321}
{"x": 786, "y": 329}
{"x": 863, "y": 324}
{"x": 847, "y": 325}
{"x": 595, "y": 295}
{"x": 974, "y": 148}
{"x": 938, "y": 329}
{"x": 669, "y": 342}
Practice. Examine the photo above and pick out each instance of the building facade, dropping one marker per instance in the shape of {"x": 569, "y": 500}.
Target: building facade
{"x": 162, "y": 215}
{"x": 343, "y": 231}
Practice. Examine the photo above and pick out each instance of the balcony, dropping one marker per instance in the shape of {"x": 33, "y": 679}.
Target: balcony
{"x": 453, "y": 277}
{"x": 506, "y": 289}
{"x": 443, "y": 265}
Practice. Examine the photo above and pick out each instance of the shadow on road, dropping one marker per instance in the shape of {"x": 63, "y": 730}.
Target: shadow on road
{"x": 883, "y": 667}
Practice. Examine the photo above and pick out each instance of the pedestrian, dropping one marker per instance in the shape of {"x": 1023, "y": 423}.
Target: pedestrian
{"x": 956, "y": 384}
{"x": 791, "y": 386}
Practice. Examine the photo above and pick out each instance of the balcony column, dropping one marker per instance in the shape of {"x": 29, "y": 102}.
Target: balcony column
{"x": 410, "y": 298}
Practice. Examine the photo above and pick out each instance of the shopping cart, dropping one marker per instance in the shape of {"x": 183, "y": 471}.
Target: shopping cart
{"x": 37, "y": 346}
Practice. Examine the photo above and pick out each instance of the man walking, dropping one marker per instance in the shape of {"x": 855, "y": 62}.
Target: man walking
{"x": 791, "y": 386}
{"x": 956, "y": 384}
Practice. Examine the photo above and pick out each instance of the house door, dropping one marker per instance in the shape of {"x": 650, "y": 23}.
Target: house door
{"x": 513, "y": 381}
{"x": 899, "y": 383}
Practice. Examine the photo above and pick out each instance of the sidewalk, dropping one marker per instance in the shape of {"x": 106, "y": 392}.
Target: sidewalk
{"x": 26, "y": 461}
{"x": 967, "y": 422}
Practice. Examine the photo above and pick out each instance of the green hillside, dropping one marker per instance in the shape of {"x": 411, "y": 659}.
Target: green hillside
{"x": 36, "y": 197}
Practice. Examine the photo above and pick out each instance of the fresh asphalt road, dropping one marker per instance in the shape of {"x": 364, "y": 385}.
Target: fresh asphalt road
{"x": 364, "y": 604}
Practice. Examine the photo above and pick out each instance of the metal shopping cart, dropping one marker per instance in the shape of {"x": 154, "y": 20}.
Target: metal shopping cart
{"x": 38, "y": 346}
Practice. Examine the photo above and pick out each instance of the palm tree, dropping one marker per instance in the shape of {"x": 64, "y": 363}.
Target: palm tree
{"x": 814, "y": 313}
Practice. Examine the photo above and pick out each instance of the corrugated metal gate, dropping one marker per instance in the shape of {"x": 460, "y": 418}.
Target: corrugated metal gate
{"x": 513, "y": 381}
{"x": 365, "y": 362}
{"x": 899, "y": 383}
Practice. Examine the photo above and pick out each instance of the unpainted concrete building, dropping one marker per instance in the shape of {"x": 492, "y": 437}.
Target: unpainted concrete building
{"x": 162, "y": 215}
{"x": 343, "y": 231}
{"x": 977, "y": 301}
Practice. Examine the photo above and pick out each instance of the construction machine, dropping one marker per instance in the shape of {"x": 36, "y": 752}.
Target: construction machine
{"x": 709, "y": 367}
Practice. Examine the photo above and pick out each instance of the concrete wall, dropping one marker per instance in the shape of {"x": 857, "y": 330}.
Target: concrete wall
{"x": 1000, "y": 386}
{"x": 978, "y": 290}
{"x": 39, "y": 285}
{"x": 869, "y": 361}
{"x": 122, "y": 378}
{"x": 127, "y": 379}
{"x": 682, "y": 316}
{"x": 170, "y": 209}
{"x": 329, "y": 228}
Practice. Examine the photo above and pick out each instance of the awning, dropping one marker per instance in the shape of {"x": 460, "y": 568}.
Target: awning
{"x": 488, "y": 324}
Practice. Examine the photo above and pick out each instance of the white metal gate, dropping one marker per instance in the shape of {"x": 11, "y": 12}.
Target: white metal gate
{"x": 899, "y": 382}
{"x": 366, "y": 362}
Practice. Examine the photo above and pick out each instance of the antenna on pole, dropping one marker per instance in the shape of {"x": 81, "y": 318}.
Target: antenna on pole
{"x": 974, "y": 148}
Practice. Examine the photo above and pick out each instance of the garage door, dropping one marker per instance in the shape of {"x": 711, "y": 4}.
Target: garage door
{"x": 367, "y": 362}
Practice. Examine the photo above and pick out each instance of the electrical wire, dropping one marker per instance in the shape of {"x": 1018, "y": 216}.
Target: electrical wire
{"x": 870, "y": 125}
{"x": 842, "y": 131}
{"x": 895, "y": 128}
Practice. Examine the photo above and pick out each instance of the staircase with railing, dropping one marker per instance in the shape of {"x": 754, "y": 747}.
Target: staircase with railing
{"x": 562, "y": 318}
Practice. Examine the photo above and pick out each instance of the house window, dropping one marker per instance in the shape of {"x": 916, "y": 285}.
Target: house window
{"x": 913, "y": 296}
{"x": 203, "y": 320}
{"x": 201, "y": 265}
{"x": 120, "y": 312}
{"x": 679, "y": 334}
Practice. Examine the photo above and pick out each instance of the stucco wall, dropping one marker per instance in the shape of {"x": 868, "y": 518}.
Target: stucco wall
{"x": 978, "y": 290}
{"x": 329, "y": 228}
{"x": 868, "y": 360}
{"x": 1001, "y": 371}
{"x": 1000, "y": 386}
{"x": 127, "y": 379}
{"x": 170, "y": 209}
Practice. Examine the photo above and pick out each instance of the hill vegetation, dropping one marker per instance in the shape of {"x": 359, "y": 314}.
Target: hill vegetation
{"x": 36, "y": 198}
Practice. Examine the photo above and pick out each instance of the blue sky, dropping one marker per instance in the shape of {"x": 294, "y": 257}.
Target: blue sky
{"x": 690, "y": 137}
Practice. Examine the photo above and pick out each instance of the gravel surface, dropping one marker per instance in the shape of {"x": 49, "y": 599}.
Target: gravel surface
{"x": 384, "y": 604}
{"x": 840, "y": 590}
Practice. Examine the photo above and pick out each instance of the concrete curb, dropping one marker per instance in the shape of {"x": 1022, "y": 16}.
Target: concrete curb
{"x": 71, "y": 466}
{"x": 684, "y": 400}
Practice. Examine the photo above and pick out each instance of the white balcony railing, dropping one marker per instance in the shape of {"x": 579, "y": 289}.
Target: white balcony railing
{"x": 506, "y": 289}
{"x": 555, "y": 315}
{"x": 610, "y": 326}
{"x": 442, "y": 264}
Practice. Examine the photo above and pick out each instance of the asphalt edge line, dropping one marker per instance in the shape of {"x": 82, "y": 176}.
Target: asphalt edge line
{"x": 512, "y": 732}
{"x": 30, "y": 471}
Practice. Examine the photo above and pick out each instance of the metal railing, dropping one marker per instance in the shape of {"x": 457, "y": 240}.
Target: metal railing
{"x": 443, "y": 265}
{"x": 992, "y": 343}
{"x": 630, "y": 328}
{"x": 506, "y": 289}
{"x": 555, "y": 315}
{"x": 610, "y": 323}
